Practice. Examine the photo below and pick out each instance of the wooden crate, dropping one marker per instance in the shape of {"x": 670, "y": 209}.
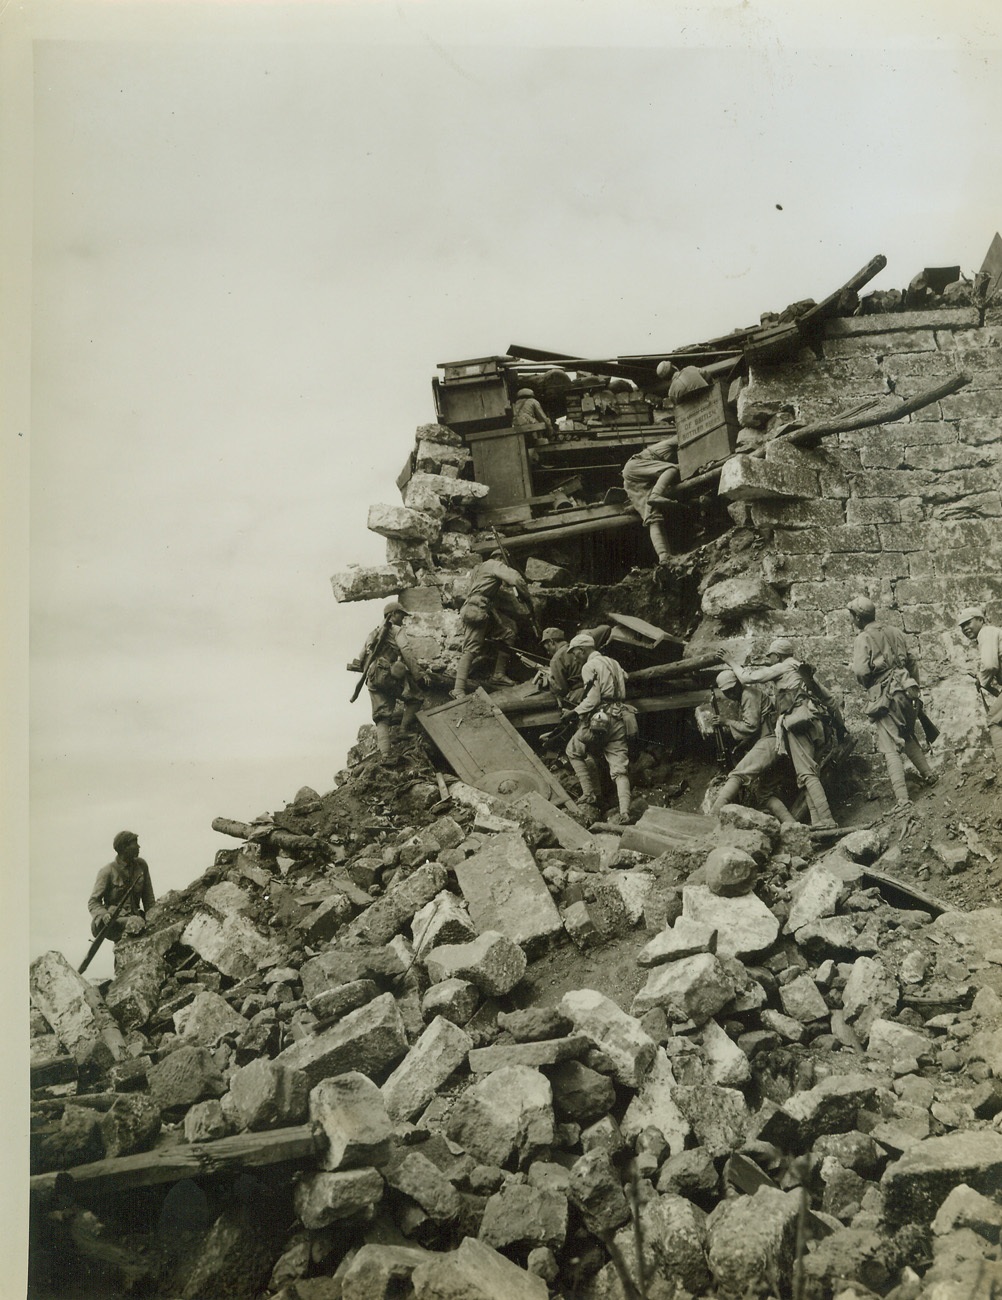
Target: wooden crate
{"x": 479, "y": 402}
{"x": 707, "y": 428}
{"x": 500, "y": 460}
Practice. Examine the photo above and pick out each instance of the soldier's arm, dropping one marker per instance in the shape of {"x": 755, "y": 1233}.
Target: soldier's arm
{"x": 147, "y": 897}
{"x": 96, "y": 904}
{"x": 750, "y": 719}
{"x": 989, "y": 666}
{"x": 593, "y": 693}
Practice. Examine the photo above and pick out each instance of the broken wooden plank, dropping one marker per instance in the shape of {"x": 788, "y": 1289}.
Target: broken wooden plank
{"x": 477, "y": 739}
{"x": 648, "y": 633}
{"x": 899, "y": 894}
{"x": 609, "y": 520}
{"x": 547, "y": 716}
{"x": 679, "y": 668}
{"x": 257, "y": 832}
{"x": 169, "y": 1164}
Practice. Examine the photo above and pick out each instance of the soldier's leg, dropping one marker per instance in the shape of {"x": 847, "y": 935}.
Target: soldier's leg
{"x": 617, "y": 755}
{"x": 913, "y": 751}
{"x": 779, "y": 809}
{"x": 577, "y": 752}
{"x": 473, "y": 639}
{"x": 762, "y": 755}
{"x": 503, "y": 631}
{"x": 802, "y": 754}
{"x": 658, "y": 531}
{"x": 382, "y": 714}
{"x": 889, "y": 744}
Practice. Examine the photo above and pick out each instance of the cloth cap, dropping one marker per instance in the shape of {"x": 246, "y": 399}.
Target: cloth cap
{"x": 123, "y": 839}
{"x": 781, "y": 646}
{"x": 581, "y": 641}
{"x": 553, "y": 634}
{"x": 394, "y": 607}
{"x": 972, "y": 611}
{"x": 600, "y": 633}
{"x": 665, "y": 368}
{"x": 861, "y": 605}
{"x": 726, "y": 679}
{"x": 497, "y": 553}
{"x": 525, "y": 392}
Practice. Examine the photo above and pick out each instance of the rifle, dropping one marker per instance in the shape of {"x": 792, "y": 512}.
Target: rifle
{"x": 556, "y": 734}
{"x": 100, "y": 937}
{"x": 992, "y": 702}
{"x": 525, "y": 600}
{"x": 832, "y": 711}
{"x": 367, "y": 663}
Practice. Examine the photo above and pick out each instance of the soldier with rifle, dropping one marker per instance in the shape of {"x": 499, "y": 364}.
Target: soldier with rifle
{"x": 885, "y": 667}
{"x": 393, "y": 678}
{"x": 988, "y": 638}
{"x": 497, "y": 598}
{"x": 752, "y": 727}
{"x": 122, "y": 894}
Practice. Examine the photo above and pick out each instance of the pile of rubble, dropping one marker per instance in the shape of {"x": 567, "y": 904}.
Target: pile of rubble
{"x": 329, "y": 1069}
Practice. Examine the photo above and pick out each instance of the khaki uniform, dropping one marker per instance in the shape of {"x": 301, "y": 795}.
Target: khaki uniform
{"x": 112, "y": 884}
{"x": 649, "y": 474}
{"x": 492, "y": 592}
{"x": 607, "y": 723}
{"x": 990, "y": 677}
{"x": 884, "y": 666}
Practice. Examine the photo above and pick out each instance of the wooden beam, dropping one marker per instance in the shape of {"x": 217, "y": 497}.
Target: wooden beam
{"x": 546, "y": 536}
{"x": 169, "y": 1164}
{"x": 546, "y": 717}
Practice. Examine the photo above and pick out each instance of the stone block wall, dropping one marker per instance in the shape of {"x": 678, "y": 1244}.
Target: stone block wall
{"x": 908, "y": 513}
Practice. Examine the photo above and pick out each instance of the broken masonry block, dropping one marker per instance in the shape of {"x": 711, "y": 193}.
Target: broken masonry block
{"x": 618, "y": 1035}
{"x": 265, "y": 1094}
{"x": 596, "y": 1190}
{"x": 524, "y": 1217}
{"x": 545, "y": 574}
{"x": 744, "y": 925}
{"x": 207, "y": 1019}
{"x": 232, "y": 944}
{"x": 504, "y": 891}
{"x": 389, "y": 914}
{"x": 690, "y": 988}
{"x": 453, "y": 999}
{"x": 476, "y": 1272}
{"x": 402, "y": 524}
{"x": 443, "y": 486}
{"x": 132, "y": 1123}
{"x": 381, "y": 1271}
{"x": 442, "y": 921}
{"x": 751, "y": 1242}
{"x": 374, "y": 583}
{"x": 350, "y": 1112}
{"x": 187, "y": 1075}
{"x": 915, "y": 1186}
{"x": 419, "y": 1178}
{"x": 324, "y": 1198}
{"x": 440, "y": 1050}
{"x": 206, "y": 1121}
{"x": 550, "y": 1051}
{"x": 733, "y": 598}
{"x": 749, "y": 478}
{"x": 492, "y": 962}
{"x": 370, "y": 1040}
{"x": 75, "y": 1011}
{"x": 505, "y": 1118}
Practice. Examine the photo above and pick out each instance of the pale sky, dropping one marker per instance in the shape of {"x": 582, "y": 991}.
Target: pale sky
{"x": 243, "y": 235}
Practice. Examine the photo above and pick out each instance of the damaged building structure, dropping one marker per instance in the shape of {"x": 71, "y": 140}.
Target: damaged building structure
{"x": 432, "y": 1034}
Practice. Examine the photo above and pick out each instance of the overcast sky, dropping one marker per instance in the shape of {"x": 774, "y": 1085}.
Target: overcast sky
{"x": 249, "y": 235}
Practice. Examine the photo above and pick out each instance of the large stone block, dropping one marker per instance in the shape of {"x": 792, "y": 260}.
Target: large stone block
{"x": 350, "y": 1112}
{"x": 523, "y": 1217}
{"x": 187, "y": 1075}
{"x": 440, "y": 1050}
{"x": 132, "y": 1123}
{"x": 620, "y": 1036}
{"x": 323, "y": 1198}
{"x": 505, "y": 1117}
{"x": 733, "y": 598}
{"x": 207, "y": 1019}
{"x": 751, "y": 1243}
{"x": 491, "y": 961}
{"x": 388, "y": 915}
{"x": 654, "y": 1106}
{"x": 373, "y": 583}
{"x": 690, "y": 988}
{"x": 505, "y": 891}
{"x": 265, "y": 1094}
{"x": 402, "y": 523}
{"x": 749, "y": 478}
{"x": 232, "y": 944}
{"x": 916, "y": 1185}
{"x": 75, "y": 1011}
{"x": 891, "y": 323}
{"x": 828, "y": 1107}
{"x": 370, "y": 1040}
{"x": 744, "y": 925}
{"x": 381, "y": 1272}
{"x": 475, "y": 1272}
{"x": 443, "y": 920}
{"x": 457, "y": 490}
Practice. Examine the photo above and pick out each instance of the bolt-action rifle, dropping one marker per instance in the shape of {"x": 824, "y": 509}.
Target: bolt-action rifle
{"x": 525, "y": 600}
{"x": 101, "y": 935}
{"x": 370, "y": 659}
{"x": 992, "y": 700}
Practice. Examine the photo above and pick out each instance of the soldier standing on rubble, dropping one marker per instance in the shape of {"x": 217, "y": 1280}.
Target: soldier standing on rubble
{"x": 606, "y": 724}
{"x": 648, "y": 478}
{"x": 803, "y": 706}
{"x": 127, "y": 877}
{"x": 755, "y": 723}
{"x": 988, "y": 638}
{"x": 489, "y": 613}
{"x": 393, "y": 678}
{"x": 884, "y": 665}
{"x": 529, "y": 418}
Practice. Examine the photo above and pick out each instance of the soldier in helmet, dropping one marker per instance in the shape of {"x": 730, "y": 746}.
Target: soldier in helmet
{"x": 126, "y": 878}
{"x": 988, "y": 638}
{"x": 754, "y": 729}
{"x": 497, "y": 598}
{"x": 393, "y": 679}
{"x": 648, "y": 478}
{"x": 529, "y": 418}
{"x": 804, "y": 709}
{"x": 884, "y": 665}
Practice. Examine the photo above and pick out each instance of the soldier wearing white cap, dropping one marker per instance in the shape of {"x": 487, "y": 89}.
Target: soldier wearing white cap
{"x": 801, "y": 711}
{"x": 885, "y": 666}
{"x": 988, "y": 638}
{"x": 755, "y": 723}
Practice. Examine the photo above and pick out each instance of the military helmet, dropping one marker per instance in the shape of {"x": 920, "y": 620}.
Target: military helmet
{"x": 726, "y": 679}
{"x": 782, "y": 645}
{"x": 123, "y": 839}
{"x": 394, "y": 607}
{"x": 582, "y": 642}
{"x": 553, "y": 634}
{"x": 863, "y": 606}
{"x": 525, "y": 392}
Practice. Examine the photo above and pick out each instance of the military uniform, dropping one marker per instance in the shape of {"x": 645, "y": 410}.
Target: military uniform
{"x": 988, "y": 639}
{"x": 124, "y": 878}
{"x": 393, "y": 679}
{"x": 648, "y": 477}
{"x": 489, "y": 613}
{"x": 606, "y": 726}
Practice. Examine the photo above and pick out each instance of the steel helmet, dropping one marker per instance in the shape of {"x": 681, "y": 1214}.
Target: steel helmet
{"x": 972, "y": 611}
{"x": 726, "y": 679}
{"x": 553, "y": 634}
{"x": 582, "y": 642}
{"x": 782, "y": 645}
{"x": 123, "y": 839}
{"x": 394, "y": 607}
{"x": 863, "y": 606}
{"x": 525, "y": 392}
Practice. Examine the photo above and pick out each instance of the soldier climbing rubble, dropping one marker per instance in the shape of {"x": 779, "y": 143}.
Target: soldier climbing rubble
{"x": 884, "y": 665}
{"x": 648, "y": 477}
{"x": 393, "y": 679}
{"x": 497, "y": 598}
{"x": 805, "y": 712}
{"x": 606, "y": 726}
{"x": 988, "y": 638}
{"x": 755, "y": 723}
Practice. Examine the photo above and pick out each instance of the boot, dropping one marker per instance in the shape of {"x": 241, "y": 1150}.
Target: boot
{"x": 499, "y": 676}
{"x": 914, "y": 751}
{"x": 383, "y": 743}
{"x": 817, "y": 802}
{"x": 583, "y": 774}
{"x": 463, "y": 667}
{"x": 659, "y": 540}
{"x": 729, "y": 791}
{"x": 623, "y": 796}
{"x": 408, "y": 719}
{"x": 779, "y": 809}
